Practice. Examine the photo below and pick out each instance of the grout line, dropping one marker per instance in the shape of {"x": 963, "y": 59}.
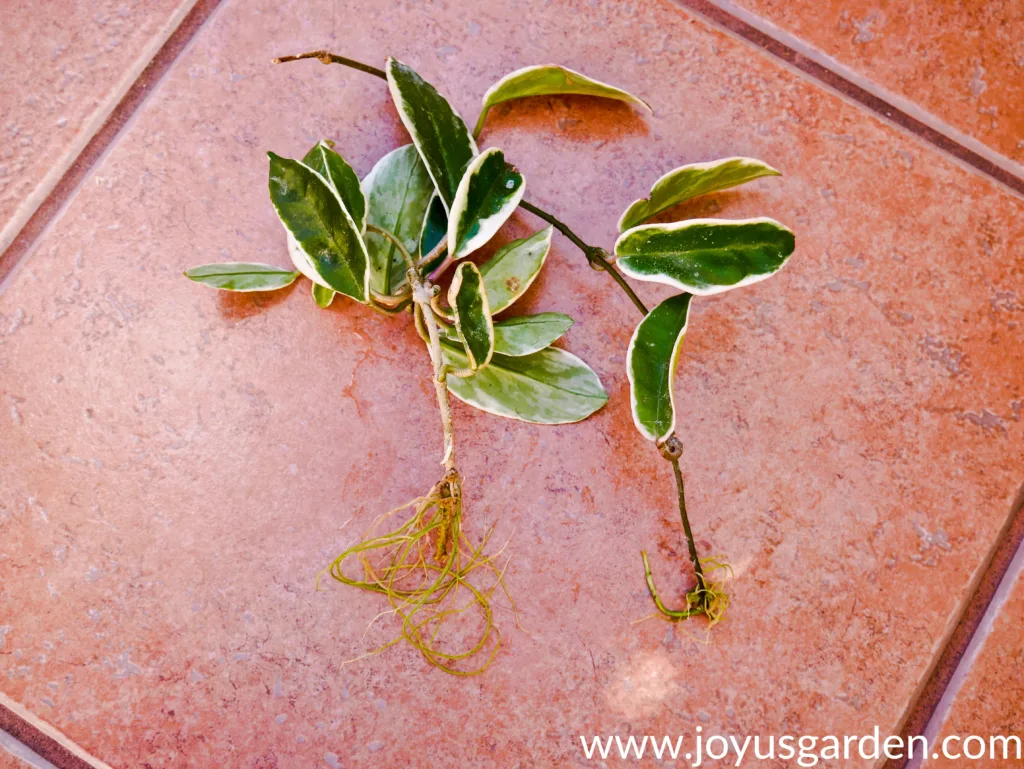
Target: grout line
{"x": 55, "y": 191}
{"x": 841, "y": 80}
{"x": 970, "y": 656}
{"x": 14, "y": 747}
{"x": 19, "y": 727}
{"x": 42, "y": 739}
{"x": 973, "y": 620}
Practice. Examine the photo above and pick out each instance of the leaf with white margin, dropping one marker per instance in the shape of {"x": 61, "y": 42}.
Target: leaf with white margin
{"x": 398, "y": 191}
{"x": 651, "y": 362}
{"x": 550, "y": 387}
{"x": 522, "y": 335}
{"x": 440, "y": 135}
{"x": 472, "y": 316}
{"x": 549, "y": 80}
{"x": 242, "y": 276}
{"x": 705, "y": 256}
{"x": 323, "y": 296}
{"x": 514, "y": 267}
{"x": 325, "y": 243}
{"x": 343, "y": 180}
{"x": 690, "y": 181}
{"x": 487, "y": 196}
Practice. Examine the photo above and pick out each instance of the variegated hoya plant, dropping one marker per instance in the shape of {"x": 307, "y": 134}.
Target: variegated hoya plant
{"x": 388, "y": 241}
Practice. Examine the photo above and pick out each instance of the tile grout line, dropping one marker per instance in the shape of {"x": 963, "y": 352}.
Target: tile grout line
{"x": 18, "y": 725}
{"x": 58, "y": 188}
{"x": 959, "y": 675}
{"x": 993, "y": 579}
{"x": 41, "y": 738}
{"x": 852, "y": 87}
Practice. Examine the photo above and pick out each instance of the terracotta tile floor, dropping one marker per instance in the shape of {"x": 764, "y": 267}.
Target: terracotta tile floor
{"x": 178, "y": 465}
{"x": 66, "y": 64}
{"x": 989, "y": 703}
{"x": 963, "y": 62}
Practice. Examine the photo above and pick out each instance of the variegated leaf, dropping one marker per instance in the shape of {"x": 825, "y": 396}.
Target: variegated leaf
{"x": 548, "y": 387}
{"x": 339, "y": 174}
{"x": 489, "y": 192}
{"x": 651, "y": 362}
{"x": 522, "y": 335}
{"x": 322, "y": 296}
{"x": 472, "y": 316}
{"x": 398, "y": 192}
{"x": 549, "y": 80}
{"x": 435, "y": 229}
{"x": 514, "y": 267}
{"x": 242, "y": 276}
{"x": 690, "y": 181}
{"x": 705, "y": 256}
{"x": 440, "y": 135}
{"x": 327, "y": 242}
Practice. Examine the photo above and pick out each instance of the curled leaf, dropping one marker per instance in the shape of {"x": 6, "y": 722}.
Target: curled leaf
{"x": 549, "y": 387}
{"x": 440, "y": 135}
{"x": 342, "y": 179}
{"x": 705, "y": 256}
{"x": 242, "y": 276}
{"x": 522, "y": 335}
{"x": 651, "y": 362}
{"x": 322, "y": 296}
{"x": 326, "y": 244}
{"x": 468, "y": 300}
{"x": 435, "y": 229}
{"x": 398, "y": 192}
{"x": 690, "y": 181}
{"x": 489, "y": 192}
{"x": 549, "y": 80}
{"x": 514, "y": 267}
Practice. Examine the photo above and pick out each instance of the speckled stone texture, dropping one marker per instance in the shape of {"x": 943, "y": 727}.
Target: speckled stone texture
{"x": 177, "y": 464}
{"x": 963, "y": 61}
{"x": 989, "y": 703}
{"x": 65, "y": 63}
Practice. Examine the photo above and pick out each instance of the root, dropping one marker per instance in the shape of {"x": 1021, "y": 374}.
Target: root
{"x": 707, "y": 598}
{"x": 423, "y": 568}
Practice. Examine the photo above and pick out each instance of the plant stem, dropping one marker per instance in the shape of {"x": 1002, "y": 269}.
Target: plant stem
{"x": 690, "y": 544}
{"x": 597, "y": 257}
{"x": 326, "y": 57}
{"x": 422, "y": 293}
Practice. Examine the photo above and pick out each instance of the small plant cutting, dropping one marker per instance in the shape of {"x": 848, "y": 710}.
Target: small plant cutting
{"x": 399, "y": 241}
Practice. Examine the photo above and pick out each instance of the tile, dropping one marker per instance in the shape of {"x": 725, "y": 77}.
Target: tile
{"x": 179, "y": 465}
{"x": 66, "y": 64}
{"x": 962, "y": 62}
{"x": 989, "y": 702}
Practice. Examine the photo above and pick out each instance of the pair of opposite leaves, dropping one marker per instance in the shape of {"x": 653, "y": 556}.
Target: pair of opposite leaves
{"x": 478, "y": 192}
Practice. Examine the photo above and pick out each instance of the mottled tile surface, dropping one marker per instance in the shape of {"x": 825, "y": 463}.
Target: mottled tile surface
{"x": 989, "y": 703}
{"x": 64, "y": 64}
{"x": 963, "y": 62}
{"x": 179, "y": 464}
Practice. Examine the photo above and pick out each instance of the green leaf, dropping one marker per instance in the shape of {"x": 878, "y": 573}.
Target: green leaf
{"x": 523, "y": 335}
{"x": 690, "y": 181}
{"x": 548, "y": 80}
{"x": 549, "y": 387}
{"x": 468, "y": 300}
{"x": 343, "y": 180}
{"x": 328, "y": 247}
{"x": 705, "y": 256}
{"x": 514, "y": 267}
{"x": 651, "y": 362}
{"x": 489, "y": 192}
{"x": 440, "y": 135}
{"x": 242, "y": 276}
{"x": 398, "y": 191}
{"x": 435, "y": 229}
{"x": 323, "y": 296}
